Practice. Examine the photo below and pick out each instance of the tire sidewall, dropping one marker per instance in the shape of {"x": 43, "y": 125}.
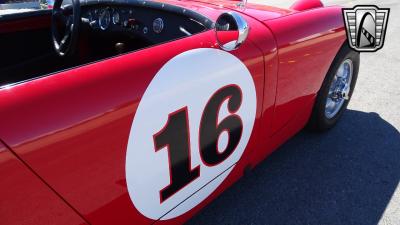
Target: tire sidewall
{"x": 345, "y": 53}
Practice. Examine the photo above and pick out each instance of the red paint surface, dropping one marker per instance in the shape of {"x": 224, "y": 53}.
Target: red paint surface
{"x": 76, "y": 133}
{"x": 22, "y": 24}
{"x": 72, "y": 127}
{"x": 301, "y": 5}
{"x": 307, "y": 44}
{"x": 25, "y": 199}
{"x": 258, "y": 11}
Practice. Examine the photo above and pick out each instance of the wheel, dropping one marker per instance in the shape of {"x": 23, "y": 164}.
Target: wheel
{"x": 336, "y": 91}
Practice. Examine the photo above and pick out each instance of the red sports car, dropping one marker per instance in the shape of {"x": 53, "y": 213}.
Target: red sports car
{"x": 143, "y": 112}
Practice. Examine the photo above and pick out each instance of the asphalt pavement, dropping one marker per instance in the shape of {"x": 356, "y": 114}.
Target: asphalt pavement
{"x": 348, "y": 175}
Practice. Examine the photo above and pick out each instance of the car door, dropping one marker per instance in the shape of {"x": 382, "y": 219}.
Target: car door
{"x": 86, "y": 130}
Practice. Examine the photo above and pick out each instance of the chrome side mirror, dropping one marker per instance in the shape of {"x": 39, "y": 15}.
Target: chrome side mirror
{"x": 231, "y": 30}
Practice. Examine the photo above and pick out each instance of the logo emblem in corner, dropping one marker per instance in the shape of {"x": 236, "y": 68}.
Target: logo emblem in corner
{"x": 366, "y": 27}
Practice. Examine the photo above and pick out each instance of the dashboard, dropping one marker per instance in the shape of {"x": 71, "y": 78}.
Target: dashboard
{"x": 154, "y": 25}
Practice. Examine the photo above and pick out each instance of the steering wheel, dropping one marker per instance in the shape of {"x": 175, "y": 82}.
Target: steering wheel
{"x": 65, "y": 22}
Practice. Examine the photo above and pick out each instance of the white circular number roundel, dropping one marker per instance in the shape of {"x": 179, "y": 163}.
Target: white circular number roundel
{"x": 190, "y": 128}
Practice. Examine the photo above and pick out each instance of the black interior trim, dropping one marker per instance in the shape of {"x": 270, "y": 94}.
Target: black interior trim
{"x": 25, "y": 15}
{"x": 155, "y": 5}
{"x": 22, "y": 67}
{"x": 138, "y": 3}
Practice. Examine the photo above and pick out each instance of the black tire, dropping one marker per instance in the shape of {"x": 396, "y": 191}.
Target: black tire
{"x": 318, "y": 121}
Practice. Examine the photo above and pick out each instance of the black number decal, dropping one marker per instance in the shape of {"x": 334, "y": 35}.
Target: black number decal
{"x": 175, "y": 136}
{"x": 210, "y": 129}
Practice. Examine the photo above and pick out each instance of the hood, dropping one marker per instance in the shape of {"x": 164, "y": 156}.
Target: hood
{"x": 213, "y": 8}
{"x": 258, "y": 11}
{"x": 263, "y": 12}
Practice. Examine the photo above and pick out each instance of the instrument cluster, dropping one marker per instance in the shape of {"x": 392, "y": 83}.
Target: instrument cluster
{"x": 145, "y": 22}
{"x": 122, "y": 19}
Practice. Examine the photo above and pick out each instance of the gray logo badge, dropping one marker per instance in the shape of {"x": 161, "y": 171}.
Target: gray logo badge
{"x": 366, "y": 27}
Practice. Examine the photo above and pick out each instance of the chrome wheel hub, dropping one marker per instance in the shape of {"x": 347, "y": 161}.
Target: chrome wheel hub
{"x": 339, "y": 89}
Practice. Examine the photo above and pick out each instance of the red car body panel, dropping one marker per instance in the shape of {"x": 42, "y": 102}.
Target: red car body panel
{"x": 301, "y": 5}
{"x": 31, "y": 23}
{"x": 257, "y": 11}
{"x": 25, "y": 199}
{"x": 72, "y": 128}
{"x": 303, "y": 53}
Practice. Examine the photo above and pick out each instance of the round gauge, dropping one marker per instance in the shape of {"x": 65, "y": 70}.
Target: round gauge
{"x": 158, "y": 25}
{"x": 104, "y": 19}
{"x": 116, "y": 18}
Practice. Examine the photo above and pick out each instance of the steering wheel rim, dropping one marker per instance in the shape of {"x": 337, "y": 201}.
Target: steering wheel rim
{"x": 65, "y": 27}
